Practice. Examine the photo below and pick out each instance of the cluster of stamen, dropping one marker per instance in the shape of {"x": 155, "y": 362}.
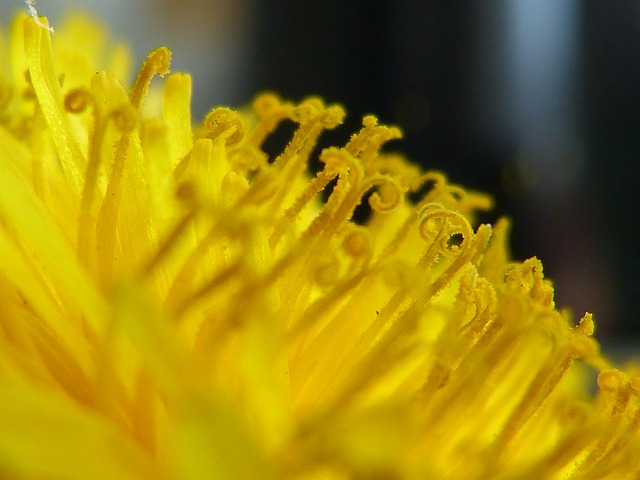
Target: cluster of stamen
{"x": 201, "y": 248}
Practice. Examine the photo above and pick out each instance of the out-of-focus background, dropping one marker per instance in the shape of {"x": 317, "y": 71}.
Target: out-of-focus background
{"x": 537, "y": 102}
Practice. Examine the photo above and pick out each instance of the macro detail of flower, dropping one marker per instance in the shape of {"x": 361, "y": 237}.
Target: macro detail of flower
{"x": 176, "y": 304}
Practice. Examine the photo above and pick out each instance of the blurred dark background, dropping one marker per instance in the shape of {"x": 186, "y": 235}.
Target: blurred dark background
{"x": 536, "y": 101}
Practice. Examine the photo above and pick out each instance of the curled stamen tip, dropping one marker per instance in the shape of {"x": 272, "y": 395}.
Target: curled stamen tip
{"x": 217, "y": 117}
{"x": 387, "y": 199}
{"x": 333, "y": 116}
{"x": 304, "y": 112}
{"x": 612, "y": 380}
{"x": 266, "y": 103}
{"x": 314, "y": 102}
{"x": 357, "y": 243}
{"x": 225, "y": 121}
{"x": 160, "y": 59}
{"x": 125, "y": 117}
{"x": 428, "y": 222}
{"x": 77, "y": 100}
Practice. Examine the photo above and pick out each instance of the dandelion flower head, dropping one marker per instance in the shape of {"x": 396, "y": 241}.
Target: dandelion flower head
{"x": 177, "y": 304}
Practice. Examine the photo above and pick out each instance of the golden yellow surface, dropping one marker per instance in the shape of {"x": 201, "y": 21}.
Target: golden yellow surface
{"x": 176, "y": 305}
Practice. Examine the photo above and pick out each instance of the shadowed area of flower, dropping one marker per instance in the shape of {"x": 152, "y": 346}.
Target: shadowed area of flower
{"x": 176, "y": 304}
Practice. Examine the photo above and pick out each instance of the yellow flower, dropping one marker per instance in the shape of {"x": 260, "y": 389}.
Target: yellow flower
{"x": 175, "y": 304}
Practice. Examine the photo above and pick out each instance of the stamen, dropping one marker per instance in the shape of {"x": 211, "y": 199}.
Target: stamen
{"x": 124, "y": 120}
{"x": 367, "y": 142}
{"x": 313, "y": 119}
{"x": 271, "y": 111}
{"x": 388, "y": 196}
{"x": 157, "y": 63}
{"x": 345, "y": 196}
{"x": 358, "y": 244}
{"x": 313, "y": 188}
{"x": 223, "y": 121}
